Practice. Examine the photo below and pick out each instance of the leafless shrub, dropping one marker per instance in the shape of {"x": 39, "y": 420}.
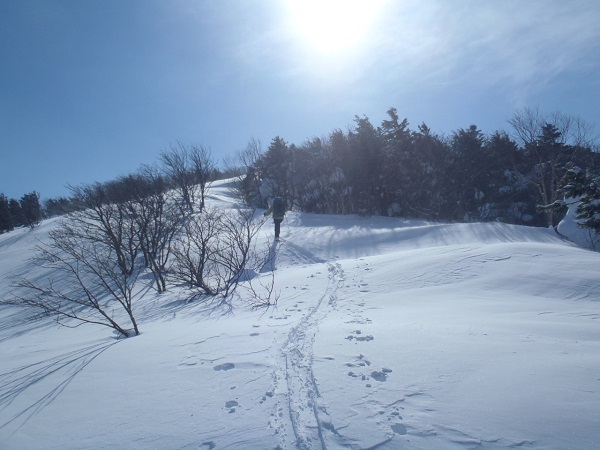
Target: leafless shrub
{"x": 189, "y": 168}
{"x": 262, "y": 294}
{"x": 103, "y": 218}
{"x": 88, "y": 283}
{"x": 215, "y": 252}
{"x": 95, "y": 252}
{"x": 156, "y": 220}
{"x": 195, "y": 252}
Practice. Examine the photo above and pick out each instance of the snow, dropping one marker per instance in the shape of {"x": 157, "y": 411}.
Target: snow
{"x": 570, "y": 228}
{"x": 387, "y": 334}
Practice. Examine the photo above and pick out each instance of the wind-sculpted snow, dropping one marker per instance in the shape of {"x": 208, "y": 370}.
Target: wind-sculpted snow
{"x": 342, "y": 237}
{"x": 387, "y": 334}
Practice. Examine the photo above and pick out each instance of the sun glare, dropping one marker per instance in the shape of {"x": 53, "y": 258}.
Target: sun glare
{"x": 331, "y": 25}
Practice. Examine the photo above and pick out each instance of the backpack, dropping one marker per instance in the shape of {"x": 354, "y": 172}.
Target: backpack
{"x": 278, "y": 207}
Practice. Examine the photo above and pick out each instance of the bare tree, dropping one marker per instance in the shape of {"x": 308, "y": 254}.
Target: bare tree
{"x": 235, "y": 247}
{"x": 247, "y": 161}
{"x": 251, "y": 154}
{"x": 528, "y": 124}
{"x": 96, "y": 250}
{"x": 156, "y": 219}
{"x": 203, "y": 167}
{"x": 551, "y": 142}
{"x": 189, "y": 168}
{"x": 176, "y": 167}
{"x": 195, "y": 252}
{"x": 216, "y": 251}
{"x": 104, "y": 217}
{"x": 88, "y": 284}
{"x": 574, "y": 130}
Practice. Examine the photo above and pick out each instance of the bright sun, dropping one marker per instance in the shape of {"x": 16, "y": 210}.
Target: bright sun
{"x": 331, "y": 25}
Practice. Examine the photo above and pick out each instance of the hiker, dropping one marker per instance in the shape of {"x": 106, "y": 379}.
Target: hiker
{"x": 278, "y": 210}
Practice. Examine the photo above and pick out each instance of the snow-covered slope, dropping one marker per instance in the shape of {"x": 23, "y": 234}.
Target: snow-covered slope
{"x": 387, "y": 334}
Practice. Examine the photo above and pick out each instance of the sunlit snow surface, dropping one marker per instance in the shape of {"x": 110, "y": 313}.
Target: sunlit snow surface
{"x": 387, "y": 334}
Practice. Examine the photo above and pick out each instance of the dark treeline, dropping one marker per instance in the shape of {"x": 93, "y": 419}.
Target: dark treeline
{"x": 18, "y": 213}
{"x": 390, "y": 170}
{"x": 393, "y": 170}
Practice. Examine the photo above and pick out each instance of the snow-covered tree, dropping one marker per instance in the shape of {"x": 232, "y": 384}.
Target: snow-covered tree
{"x": 584, "y": 188}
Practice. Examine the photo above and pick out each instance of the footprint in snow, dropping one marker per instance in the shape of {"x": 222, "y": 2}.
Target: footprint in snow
{"x": 231, "y": 404}
{"x": 399, "y": 428}
{"x": 267, "y": 394}
{"x": 380, "y": 375}
{"x": 358, "y": 337}
{"x": 361, "y": 362}
{"x": 226, "y": 366}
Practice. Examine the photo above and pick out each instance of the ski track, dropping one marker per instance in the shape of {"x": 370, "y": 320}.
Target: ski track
{"x": 301, "y": 419}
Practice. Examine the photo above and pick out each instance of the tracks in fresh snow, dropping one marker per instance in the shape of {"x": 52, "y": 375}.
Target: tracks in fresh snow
{"x": 301, "y": 419}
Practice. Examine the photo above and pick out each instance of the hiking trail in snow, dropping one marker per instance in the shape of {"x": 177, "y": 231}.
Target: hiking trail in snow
{"x": 301, "y": 419}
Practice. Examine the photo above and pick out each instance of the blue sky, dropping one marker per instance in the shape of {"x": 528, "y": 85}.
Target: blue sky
{"x": 92, "y": 89}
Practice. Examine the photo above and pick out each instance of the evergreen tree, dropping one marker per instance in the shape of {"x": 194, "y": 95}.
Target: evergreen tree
{"x": 58, "y": 206}
{"x": 428, "y": 196}
{"x": 548, "y": 156}
{"x": 31, "y": 209}
{"x": 6, "y": 222}
{"x": 308, "y": 185}
{"x": 275, "y": 168}
{"x": 366, "y": 168}
{"x": 468, "y": 167}
{"x": 585, "y": 187}
{"x": 336, "y": 180}
{"x": 16, "y": 213}
{"x": 399, "y": 168}
{"x": 392, "y": 170}
{"x": 509, "y": 197}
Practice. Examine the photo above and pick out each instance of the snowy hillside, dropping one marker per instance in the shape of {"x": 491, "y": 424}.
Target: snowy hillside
{"x": 387, "y": 334}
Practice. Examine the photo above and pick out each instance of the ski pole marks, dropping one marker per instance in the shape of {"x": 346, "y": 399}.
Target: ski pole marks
{"x": 301, "y": 419}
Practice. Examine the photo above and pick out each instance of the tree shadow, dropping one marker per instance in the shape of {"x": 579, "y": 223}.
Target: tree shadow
{"x": 19, "y": 321}
{"x": 269, "y": 265}
{"x": 191, "y": 304}
{"x": 58, "y": 371}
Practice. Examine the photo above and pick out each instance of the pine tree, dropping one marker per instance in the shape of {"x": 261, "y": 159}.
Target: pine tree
{"x": 6, "y": 222}
{"x": 31, "y": 209}
{"x": 586, "y": 187}
{"x": 16, "y": 213}
{"x": 276, "y": 170}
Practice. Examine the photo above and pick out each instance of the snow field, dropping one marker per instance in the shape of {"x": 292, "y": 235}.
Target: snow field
{"x": 387, "y": 334}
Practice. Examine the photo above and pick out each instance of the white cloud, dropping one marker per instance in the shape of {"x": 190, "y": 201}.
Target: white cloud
{"x": 522, "y": 45}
